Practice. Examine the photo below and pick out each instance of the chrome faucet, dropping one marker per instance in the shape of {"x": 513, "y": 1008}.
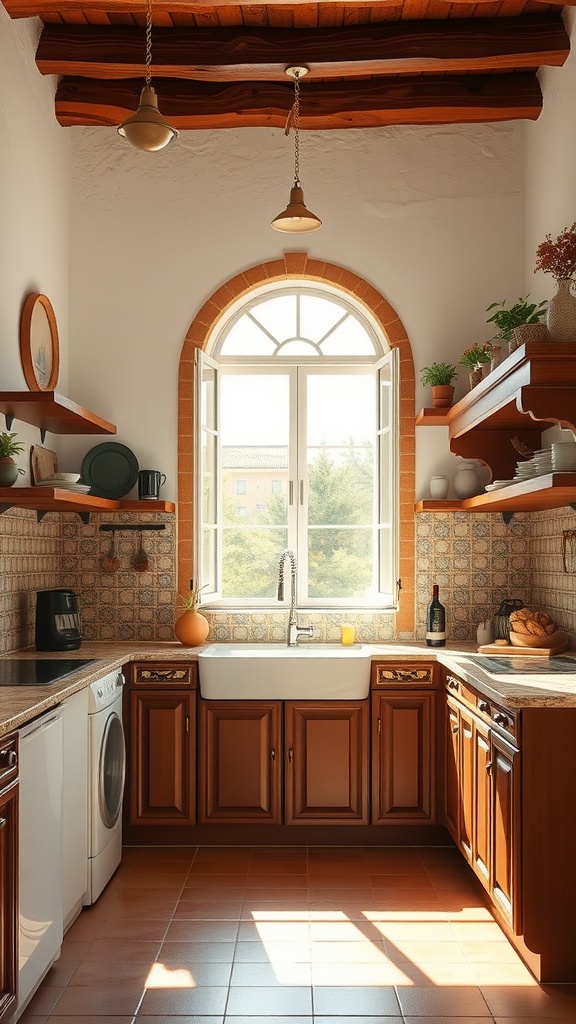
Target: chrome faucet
{"x": 294, "y": 630}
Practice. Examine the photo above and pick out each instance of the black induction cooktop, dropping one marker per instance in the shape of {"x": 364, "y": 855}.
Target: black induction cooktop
{"x": 37, "y": 671}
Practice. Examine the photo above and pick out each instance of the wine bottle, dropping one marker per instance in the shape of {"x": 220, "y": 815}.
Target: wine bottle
{"x": 435, "y": 621}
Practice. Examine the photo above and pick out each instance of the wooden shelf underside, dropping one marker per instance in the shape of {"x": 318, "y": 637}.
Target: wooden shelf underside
{"x": 50, "y": 411}
{"x": 57, "y": 499}
{"x": 554, "y": 490}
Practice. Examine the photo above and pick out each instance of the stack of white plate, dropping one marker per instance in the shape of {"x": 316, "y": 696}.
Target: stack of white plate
{"x": 66, "y": 481}
{"x": 497, "y": 484}
{"x": 564, "y": 457}
{"x": 542, "y": 460}
{"x": 525, "y": 470}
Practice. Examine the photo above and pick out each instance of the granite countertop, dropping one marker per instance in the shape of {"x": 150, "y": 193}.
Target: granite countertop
{"x": 19, "y": 704}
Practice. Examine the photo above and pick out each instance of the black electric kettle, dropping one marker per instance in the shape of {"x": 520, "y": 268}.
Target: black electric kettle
{"x": 502, "y": 617}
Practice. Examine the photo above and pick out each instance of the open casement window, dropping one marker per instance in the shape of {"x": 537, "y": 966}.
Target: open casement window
{"x": 297, "y": 447}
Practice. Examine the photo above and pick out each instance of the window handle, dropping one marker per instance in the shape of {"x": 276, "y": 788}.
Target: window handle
{"x": 301, "y": 492}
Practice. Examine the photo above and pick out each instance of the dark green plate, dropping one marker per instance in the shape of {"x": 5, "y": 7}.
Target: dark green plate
{"x": 111, "y": 469}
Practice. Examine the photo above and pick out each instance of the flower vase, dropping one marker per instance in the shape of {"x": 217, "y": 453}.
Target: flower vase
{"x": 475, "y": 376}
{"x": 191, "y": 628}
{"x": 466, "y": 482}
{"x": 561, "y": 313}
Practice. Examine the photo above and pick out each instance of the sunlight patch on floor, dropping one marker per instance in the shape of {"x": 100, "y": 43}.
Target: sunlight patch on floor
{"x": 161, "y": 976}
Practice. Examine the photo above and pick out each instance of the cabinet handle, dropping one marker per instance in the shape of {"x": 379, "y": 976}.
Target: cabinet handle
{"x": 273, "y": 755}
{"x": 187, "y": 724}
{"x": 453, "y": 683}
{"x": 290, "y": 755}
{"x": 501, "y": 719}
{"x": 483, "y": 706}
{"x": 2, "y": 822}
{"x": 489, "y": 768}
{"x": 9, "y": 758}
{"x": 455, "y": 728}
{"x": 379, "y": 727}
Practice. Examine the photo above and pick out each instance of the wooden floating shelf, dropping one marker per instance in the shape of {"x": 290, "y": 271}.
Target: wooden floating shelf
{"x": 50, "y": 411}
{"x": 58, "y": 499}
{"x": 432, "y": 418}
{"x": 554, "y": 490}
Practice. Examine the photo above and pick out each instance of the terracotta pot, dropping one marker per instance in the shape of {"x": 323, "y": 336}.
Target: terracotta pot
{"x": 442, "y": 395}
{"x": 475, "y": 376}
{"x": 530, "y": 332}
{"x": 191, "y": 628}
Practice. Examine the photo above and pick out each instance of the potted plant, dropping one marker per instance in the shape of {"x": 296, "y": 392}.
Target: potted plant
{"x": 475, "y": 358}
{"x": 558, "y": 257}
{"x": 519, "y": 323}
{"x": 440, "y": 377}
{"x": 8, "y": 469}
{"x": 191, "y": 627}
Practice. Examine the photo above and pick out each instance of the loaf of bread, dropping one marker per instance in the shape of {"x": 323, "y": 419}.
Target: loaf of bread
{"x": 525, "y": 622}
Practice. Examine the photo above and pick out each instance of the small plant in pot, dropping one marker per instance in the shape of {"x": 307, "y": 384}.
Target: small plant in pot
{"x": 8, "y": 469}
{"x": 191, "y": 627}
{"x": 440, "y": 377}
{"x": 476, "y": 358}
{"x": 520, "y": 323}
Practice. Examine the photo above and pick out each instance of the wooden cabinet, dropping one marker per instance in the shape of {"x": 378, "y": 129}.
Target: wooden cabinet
{"x": 532, "y": 388}
{"x": 403, "y": 757}
{"x": 239, "y": 767}
{"x": 162, "y": 744}
{"x": 326, "y": 762}
{"x": 481, "y": 792}
{"x": 266, "y": 762}
{"x": 404, "y": 742}
{"x": 8, "y": 875}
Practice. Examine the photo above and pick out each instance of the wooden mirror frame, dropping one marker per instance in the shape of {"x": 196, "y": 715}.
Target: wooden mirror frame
{"x": 38, "y": 330}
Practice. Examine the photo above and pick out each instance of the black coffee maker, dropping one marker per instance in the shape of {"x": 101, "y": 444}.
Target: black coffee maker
{"x": 57, "y": 621}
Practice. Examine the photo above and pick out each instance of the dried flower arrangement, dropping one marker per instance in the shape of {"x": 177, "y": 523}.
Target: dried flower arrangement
{"x": 558, "y": 256}
{"x": 476, "y": 355}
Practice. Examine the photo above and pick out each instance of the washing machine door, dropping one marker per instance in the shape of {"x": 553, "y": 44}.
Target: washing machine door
{"x": 111, "y": 771}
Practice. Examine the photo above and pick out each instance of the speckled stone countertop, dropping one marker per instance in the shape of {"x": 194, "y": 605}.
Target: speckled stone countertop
{"x": 19, "y": 704}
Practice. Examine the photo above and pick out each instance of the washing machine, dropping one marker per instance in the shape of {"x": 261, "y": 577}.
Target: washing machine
{"x": 106, "y": 773}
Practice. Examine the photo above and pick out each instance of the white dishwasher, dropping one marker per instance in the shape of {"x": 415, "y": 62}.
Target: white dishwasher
{"x": 40, "y": 856}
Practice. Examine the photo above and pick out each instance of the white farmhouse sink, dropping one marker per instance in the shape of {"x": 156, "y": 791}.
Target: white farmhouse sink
{"x": 279, "y": 672}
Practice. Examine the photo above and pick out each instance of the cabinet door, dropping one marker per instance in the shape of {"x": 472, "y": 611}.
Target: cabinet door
{"x": 403, "y": 757}
{"x": 239, "y": 762}
{"x": 467, "y": 783}
{"x": 327, "y": 762}
{"x": 452, "y": 768}
{"x": 481, "y": 842}
{"x": 505, "y": 770}
{"x": 8, "y": 899}
{"x": 162, "y": 757}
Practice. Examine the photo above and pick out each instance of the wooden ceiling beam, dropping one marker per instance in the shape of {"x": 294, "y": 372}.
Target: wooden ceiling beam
{"x": 48, "y": 8}
{"x": 260, "y": 55}
{"x": 373, "y": 103}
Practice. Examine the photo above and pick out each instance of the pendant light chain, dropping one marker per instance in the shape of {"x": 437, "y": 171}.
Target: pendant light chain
{"x": 149, "y": 43}
{"x": 297, "y": 129}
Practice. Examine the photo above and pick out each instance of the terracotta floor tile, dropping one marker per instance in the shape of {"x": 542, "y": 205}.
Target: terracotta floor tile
{"x": 60, "y": 974}
{"x": 365, "y": 952}
{"x": 477, "y": 931}
{"x": 421, "y": 952}
{"x": 179, "y": 1001}
{"x": 182, "y": 953}
{"x": 448, "y": 1000}
{"x": 351, "y": 975}
{"x": 202, "y": 879}
{"x": 99, "y": 1000}
{"x": 542, "y": 1002}
{"x": 171, "y": 1019}
{"x": 279, "y": 931}
{"x": 272, "y": 952}
{"x": 121, "y": 973}
{"x": 143, "y": 931}
{"x": 361, "y": 1019}
{"x": 275, "y": 973}
{"x": 417, "y": 931}
{"x": 165, "y": 976}
{"x": 261, "y": 880}
{"x": 355, "y": 1001}
{"x": 343, "y": 931}
{"x": 256, "y": 909}
{"x": 276, "y": 1001}
{"x": 197, "y": 931}
{"x": 90, "y": 1019}
{"x": 203, "y": 910}
{"x": 212, "y": 894}
{"x": 437, "y": 974}
{"x": 86, "y": 927}
{"x": 74, "y": 950}
{"x": 490, "y": 952}
{"x": 119, "y": 950}
{"x": 503, "y": 973}
{"x": 295, "y": 895}
{"x": 44, "y": 1000}
{"x": 269, "y": 1020}
{"x": 435, "y": 1019}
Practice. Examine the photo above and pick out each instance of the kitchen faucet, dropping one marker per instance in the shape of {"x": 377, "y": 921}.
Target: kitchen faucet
{"x": 294, "y": 630}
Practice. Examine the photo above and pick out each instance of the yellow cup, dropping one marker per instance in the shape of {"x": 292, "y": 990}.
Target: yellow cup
{"x": 348, "y": 634}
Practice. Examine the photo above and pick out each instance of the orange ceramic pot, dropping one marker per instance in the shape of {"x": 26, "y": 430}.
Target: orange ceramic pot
{"x": 191, "y": 628}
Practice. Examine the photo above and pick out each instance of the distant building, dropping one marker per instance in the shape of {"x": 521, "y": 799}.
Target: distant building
{"x": 252, "y": 474}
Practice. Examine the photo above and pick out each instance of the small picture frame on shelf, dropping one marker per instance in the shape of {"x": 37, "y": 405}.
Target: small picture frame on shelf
{"x": 39, "y": 347}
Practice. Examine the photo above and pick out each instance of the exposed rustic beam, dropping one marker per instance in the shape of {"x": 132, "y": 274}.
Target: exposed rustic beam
{"x": 433, "y": 99}
{"x": 49, "y": 8}
{"x": 240, "y": 54}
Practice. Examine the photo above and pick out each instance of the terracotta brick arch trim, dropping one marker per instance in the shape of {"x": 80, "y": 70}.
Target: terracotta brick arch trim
{"x": 296, "y": 266}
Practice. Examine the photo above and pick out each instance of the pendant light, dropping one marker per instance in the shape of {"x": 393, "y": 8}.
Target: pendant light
{"x": 296, "y": 218}
{"x": 147, "y": 129}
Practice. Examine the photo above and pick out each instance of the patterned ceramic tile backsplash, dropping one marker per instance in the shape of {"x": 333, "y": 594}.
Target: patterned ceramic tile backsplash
{"x": 476, "y": 559}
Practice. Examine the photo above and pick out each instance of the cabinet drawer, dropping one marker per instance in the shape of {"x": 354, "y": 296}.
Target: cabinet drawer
{"x": 176, "y": 673}
{"x": 404, "y": 673}
{"x": 8, "y": 760}
{"x": 502, "y": 719}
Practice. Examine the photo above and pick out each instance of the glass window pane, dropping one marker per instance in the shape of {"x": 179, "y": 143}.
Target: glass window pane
{"x": 208, "y": 477}
{"x": 208, "y": 560}
{"x": 340, "y": 486}
{"x": 340, "y": 409}
{"x": 277, "y": 316}
{"x": 348, "y": 339}
{"x": 385, "y": 491}
{"x": 208, "y": 397}
{"x": 246, "y": 338}
{"x": 250, "y": 562}
{"x": 298, "y": 348}
{"x": 339, "y": 563}
{"x": 317, "y": 316}
{"x": 254, "y": 412}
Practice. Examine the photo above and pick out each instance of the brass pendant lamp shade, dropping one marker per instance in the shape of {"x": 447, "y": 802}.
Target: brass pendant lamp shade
{"x": 296, "y": 217}
{"x": 147, "y": 129}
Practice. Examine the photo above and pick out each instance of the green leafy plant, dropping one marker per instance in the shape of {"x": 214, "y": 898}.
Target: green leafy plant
{"x": 9, "y": 447}
{"x": 522, "y": 312}
{"x": 476, "y": 355}
{"x": 438, "y": 374}
{"x": 191, "y": 601}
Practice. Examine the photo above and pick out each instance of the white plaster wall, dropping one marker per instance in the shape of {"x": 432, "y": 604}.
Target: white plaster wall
{"x": 34, "y": 202}
{"x": 432, "y": 217}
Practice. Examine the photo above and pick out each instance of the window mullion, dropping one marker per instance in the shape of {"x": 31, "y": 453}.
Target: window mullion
{"x": 302, "y": 489}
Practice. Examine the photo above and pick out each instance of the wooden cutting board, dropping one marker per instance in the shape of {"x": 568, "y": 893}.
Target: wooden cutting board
{"x": 43, "y": 463}
{"x": 541, "y": 652}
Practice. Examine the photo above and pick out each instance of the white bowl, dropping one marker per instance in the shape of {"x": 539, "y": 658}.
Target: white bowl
{"x": 71, "y": 478}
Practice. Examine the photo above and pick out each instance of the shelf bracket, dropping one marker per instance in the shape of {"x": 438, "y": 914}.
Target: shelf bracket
{"x": 572, "y": 505}
{"x": 42, "y": 435}
{"x": 40, "y": 515}
{"x": 9, "y": 420}
{"x": 4, "y": 508}
{"x": 507, "y": 517}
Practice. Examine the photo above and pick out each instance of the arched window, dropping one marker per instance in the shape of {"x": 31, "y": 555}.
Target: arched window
{"x": 297, "y": 446}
